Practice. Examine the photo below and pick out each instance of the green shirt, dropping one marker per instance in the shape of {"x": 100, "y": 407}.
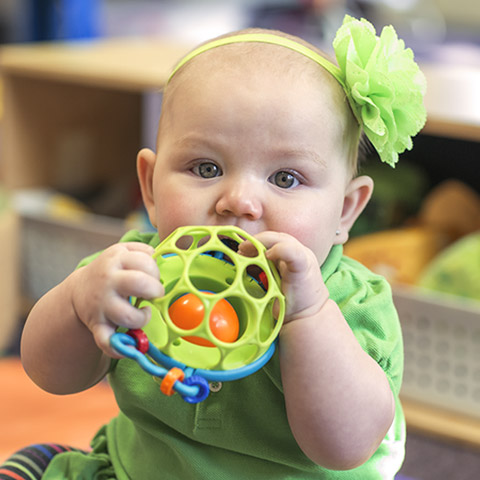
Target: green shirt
{"x": 241, "y": 430}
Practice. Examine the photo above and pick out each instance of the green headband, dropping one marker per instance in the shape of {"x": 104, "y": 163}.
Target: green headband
{"x": 264, "y": 38}
{"x": 383, "y": 84}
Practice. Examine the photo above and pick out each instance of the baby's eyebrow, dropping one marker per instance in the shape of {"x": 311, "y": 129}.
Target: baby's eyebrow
{"x": 300, "y": 154}
{"x": 193, "y": 142}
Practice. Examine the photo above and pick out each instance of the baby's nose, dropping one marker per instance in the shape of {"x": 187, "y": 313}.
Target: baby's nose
{"x": 241, "y": 200}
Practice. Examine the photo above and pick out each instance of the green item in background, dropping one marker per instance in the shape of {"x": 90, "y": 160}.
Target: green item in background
{"x": 397, "y": 196}
{"x": 457, "y": 269}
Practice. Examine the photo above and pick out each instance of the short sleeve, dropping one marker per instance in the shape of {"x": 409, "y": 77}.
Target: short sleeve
{"x": 366, "y": 302}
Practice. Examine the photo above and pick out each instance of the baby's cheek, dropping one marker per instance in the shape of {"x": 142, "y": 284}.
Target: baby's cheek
{"x": 313, "y": 237}
{"x": 174, "y": 213}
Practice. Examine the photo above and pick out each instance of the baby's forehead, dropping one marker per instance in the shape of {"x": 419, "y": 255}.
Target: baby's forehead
{"x": 255, "y": 64}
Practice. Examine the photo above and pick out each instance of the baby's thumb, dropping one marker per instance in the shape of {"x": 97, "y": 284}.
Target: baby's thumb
{"x": 102, "y": 334}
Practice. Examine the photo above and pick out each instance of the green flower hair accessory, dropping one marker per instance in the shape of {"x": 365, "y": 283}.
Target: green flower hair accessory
{"x": 384, "y": 85}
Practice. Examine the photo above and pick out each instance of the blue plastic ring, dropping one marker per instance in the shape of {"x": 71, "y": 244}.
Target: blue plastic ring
{"x": 203, "y": 389}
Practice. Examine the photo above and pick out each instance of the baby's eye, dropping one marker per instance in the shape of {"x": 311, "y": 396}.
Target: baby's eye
{"x": 284, "y": 179}
{"x": 207, "y": 170}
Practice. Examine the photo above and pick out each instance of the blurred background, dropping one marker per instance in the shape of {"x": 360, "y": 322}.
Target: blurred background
{"x": 424, "y": 24}
{"x": 80, "y": 94}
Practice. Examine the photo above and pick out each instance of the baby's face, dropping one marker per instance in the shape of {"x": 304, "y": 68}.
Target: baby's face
{"x": 259, "y": 152}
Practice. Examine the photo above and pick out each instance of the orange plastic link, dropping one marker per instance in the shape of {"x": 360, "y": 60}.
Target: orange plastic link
{"x": 174, "y": 374}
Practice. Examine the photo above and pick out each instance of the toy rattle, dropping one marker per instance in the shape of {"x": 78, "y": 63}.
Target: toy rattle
{"x": 220, "y": 315}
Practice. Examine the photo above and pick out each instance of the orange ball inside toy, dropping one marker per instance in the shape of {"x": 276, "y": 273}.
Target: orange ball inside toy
{"x": 187, "y": 312}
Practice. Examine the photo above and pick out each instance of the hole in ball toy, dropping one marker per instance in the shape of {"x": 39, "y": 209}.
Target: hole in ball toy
{"x": 217, "y": 254}
{"x": 229, "y": 243}
{"x": 202, "y": 240}
{"x": 254, "y": 278}
{"x": 184, "y": 242}
{"x": 189, "y": 242}
{"x": 232, "y": 240}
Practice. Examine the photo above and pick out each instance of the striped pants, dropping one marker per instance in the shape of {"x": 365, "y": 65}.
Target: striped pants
{"x": 30, "y": 463}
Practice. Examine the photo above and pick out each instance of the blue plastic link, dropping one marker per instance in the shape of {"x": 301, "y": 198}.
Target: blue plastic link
{"x": 194, "y": 388}
{"x": 202, "y": 386}
{"x": 125, "y": 345}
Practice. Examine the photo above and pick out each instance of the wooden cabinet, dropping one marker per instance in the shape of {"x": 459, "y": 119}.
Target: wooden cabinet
{"x": 73, "y": 113}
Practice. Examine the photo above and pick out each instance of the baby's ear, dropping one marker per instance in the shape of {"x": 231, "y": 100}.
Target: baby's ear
{"x": 357, "y": 195}
{"x": 145, "y": 168}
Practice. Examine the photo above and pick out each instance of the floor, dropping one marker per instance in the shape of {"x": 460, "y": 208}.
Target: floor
{"x": 29, "y": 415}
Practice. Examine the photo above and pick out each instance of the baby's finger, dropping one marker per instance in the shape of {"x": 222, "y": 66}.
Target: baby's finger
{"x": 120, "y": 312}
{"x": 247, "y": 249}
{"x": 101, "y": 333}
{"x": 138, "y": 247}
{"x": 139, "y": 260}
{"x": 270, "y": 238}
{"x": 285, "y": 250}
{"x": 291, "y": 257}
{"x": 138, "y": 284}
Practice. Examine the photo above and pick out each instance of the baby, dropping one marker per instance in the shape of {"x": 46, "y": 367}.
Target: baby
{"x": 258, "y": 130}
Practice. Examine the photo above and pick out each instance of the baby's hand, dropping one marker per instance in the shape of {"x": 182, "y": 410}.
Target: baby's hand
{"x": 102, "y": 289}
{"x": 302, "y": 282}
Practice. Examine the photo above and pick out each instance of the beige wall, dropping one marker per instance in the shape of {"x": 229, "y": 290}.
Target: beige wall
{"x": 461, "y": 12}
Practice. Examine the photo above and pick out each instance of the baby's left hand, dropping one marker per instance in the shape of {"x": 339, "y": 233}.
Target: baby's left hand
{"x": 302, "y": 282}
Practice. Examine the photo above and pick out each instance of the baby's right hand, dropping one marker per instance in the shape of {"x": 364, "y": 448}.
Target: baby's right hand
{"x": 101, "y": 291}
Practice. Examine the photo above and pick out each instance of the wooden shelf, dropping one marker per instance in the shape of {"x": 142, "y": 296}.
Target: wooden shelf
{"x": 132, "y": 64}
{"x": 443, "y": 424}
